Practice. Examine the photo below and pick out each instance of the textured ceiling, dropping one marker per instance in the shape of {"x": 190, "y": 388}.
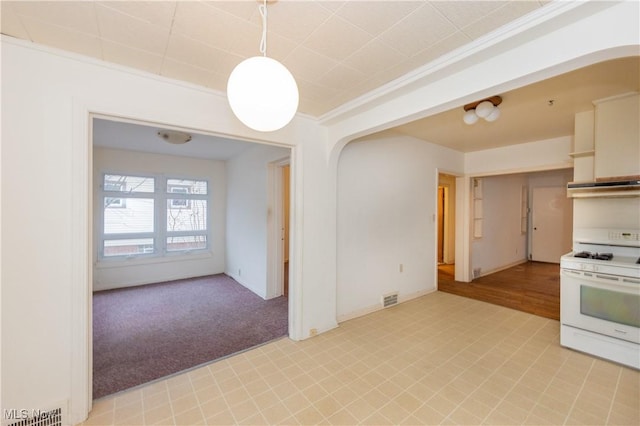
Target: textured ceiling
{"x": 337, "y": 50}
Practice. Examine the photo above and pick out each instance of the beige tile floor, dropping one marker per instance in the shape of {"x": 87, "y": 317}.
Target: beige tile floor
{"x": 439, "y": 359}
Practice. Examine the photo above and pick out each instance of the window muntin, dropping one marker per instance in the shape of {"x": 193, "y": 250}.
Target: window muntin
{"x": 187, "y": 242}
{"x": 129, "y": 184}
{"x": 127, "y": 247}
{"x": 198, "y": 187}
{"x": 133, "y": 206}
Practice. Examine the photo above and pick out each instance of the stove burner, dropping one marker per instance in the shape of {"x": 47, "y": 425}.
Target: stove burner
{"x": 597, "y": 256}
{"x": 603, "y": 256}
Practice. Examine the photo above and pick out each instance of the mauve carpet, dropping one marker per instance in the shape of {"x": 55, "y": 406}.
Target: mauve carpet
{"x": 148, "y": 332}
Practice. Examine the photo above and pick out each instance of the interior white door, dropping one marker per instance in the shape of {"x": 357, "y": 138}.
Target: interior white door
{"x": 552, "y": 224}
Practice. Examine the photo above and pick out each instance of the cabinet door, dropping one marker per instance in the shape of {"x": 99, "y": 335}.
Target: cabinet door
{"x": 583, "y": 155}
{"x": 617, "y": 137}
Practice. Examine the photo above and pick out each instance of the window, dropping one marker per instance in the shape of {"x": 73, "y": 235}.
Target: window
{"x": 141, "y": 218}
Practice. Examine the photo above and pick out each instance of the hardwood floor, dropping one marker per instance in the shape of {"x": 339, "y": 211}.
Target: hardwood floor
{"x": 532, "y": 287}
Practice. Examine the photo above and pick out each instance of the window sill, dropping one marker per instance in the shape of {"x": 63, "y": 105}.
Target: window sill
{"x": 141, "y": 261}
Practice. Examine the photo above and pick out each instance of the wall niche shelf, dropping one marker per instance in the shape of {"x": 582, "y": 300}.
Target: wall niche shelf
{"x": 477, "y": 208}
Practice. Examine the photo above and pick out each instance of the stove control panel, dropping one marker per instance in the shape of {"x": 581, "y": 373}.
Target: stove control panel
{"x": 624, "y": 236}
{"x": 589, "y": 267}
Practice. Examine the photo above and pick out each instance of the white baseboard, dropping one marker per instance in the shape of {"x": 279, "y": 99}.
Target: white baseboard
{"x": 245, "y": 285}
{"x": 502, "y": 268}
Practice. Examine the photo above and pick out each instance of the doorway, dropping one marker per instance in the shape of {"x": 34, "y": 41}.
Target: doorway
{"x": 286, "y": 185}
{"x": 234, "y": 183}
{"x": 442, "y": 196}
{"x": 445, "y": 221}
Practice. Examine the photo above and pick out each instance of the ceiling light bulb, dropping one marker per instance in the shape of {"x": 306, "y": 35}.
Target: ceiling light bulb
{"x": 484, "y": 109}
{"x": 470, "y": 117}
{"x": 494, "y": 115}
{"x": 262, "y": 93}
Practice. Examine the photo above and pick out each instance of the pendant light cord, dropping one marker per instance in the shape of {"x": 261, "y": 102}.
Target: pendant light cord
{"x": 263, "y": 42}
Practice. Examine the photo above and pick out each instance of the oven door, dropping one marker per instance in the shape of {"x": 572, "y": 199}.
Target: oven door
{"x": 605, "y": 304}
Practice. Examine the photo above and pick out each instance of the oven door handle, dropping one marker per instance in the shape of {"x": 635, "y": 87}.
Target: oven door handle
{"x": 627, "y": 285}
{"x": 607, "y": 277}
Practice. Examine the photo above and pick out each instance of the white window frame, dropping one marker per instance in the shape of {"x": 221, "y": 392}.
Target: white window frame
{"x": 161, "y": 196}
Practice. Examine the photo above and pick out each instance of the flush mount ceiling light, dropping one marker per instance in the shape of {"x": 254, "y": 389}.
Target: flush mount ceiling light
{"x": 176, "y": 138}
{"x": 261, "y": 91}
{"x": 485, "y": 108}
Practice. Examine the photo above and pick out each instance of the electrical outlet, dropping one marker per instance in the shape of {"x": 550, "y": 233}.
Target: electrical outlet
{"x": 239, "y": 272}
{"x": 401, "y": 267}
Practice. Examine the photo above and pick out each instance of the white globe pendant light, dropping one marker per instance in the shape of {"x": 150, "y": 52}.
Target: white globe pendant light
{"x": 261, "y": 91}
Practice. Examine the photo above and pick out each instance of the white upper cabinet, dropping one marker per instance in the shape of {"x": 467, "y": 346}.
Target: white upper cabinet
{"x": 584, "y": 153}
{"x": 617, "y": 137}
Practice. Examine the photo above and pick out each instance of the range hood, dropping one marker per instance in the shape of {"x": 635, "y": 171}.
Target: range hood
{"x": 628, "y": 186}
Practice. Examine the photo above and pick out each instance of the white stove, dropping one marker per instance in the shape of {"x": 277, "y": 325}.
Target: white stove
{"x": 605, "y": 250}
{"x": 600, "y": 294}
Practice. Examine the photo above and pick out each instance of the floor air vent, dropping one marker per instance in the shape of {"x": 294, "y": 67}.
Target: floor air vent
{"x": 390, "y": 299}
{"x": 38, "y": 418}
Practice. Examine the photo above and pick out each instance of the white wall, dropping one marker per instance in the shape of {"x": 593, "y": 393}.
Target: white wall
{"x": 248, "y": 209}
{"x": 502, "y": 243}
{"x": 387, "y": 190}
{"x": 615, "y": 213}
{"x": 550, "y": 178}
{"x": 115, "y": 273}
{"x": 37, "y": 225}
